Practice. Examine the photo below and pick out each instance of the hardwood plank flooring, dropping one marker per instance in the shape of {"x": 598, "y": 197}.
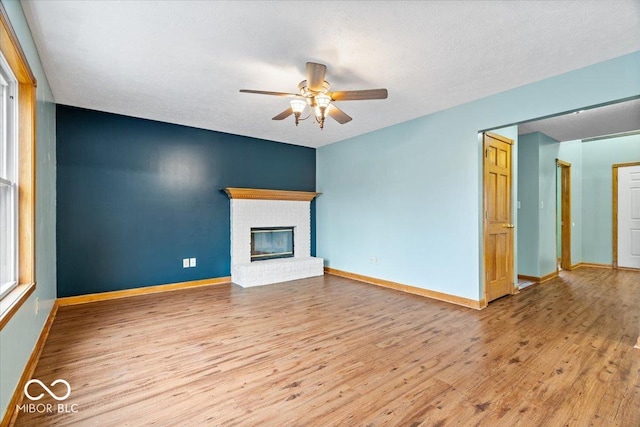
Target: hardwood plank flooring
{"x": 330, "y": 351}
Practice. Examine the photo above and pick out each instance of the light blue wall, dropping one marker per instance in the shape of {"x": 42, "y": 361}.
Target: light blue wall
{"x": 598, "y": 159}
{"x": 410, "y": 195}
{"x": 547, "y": 204}
{"x": 528, "y": 186}
{"x": 538, "y": 204}
{"x": 19, "y": 336}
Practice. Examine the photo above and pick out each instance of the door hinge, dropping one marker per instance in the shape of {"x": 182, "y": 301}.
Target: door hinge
{"x": 486, "y": 152}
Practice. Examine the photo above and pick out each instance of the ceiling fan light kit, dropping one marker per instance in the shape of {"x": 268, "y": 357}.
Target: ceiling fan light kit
{"x": 297, "y": 106}
{"x": 314, "y": 94}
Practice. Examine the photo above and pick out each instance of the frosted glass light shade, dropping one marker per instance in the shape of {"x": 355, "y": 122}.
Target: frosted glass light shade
{"x": 323, "y": 100}
{"x": 297, "y": 105}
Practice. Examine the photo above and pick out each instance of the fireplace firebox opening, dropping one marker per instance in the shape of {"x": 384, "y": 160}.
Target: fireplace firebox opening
{"x": 271, "y": 243}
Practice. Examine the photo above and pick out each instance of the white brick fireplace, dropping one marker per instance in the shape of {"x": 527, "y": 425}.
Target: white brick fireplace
{"x": 256, "y": 208}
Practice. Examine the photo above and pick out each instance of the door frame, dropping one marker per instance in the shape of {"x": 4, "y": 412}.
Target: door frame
{"x": 512, "y": 257}
{"x": 614, "y": 211}
{"x": 565, "y": 229}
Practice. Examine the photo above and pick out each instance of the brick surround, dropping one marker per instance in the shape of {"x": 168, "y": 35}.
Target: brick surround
{"x": 248, "y": 213}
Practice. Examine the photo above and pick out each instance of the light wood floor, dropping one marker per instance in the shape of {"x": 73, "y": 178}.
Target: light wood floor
{"x": 330, "y": 351}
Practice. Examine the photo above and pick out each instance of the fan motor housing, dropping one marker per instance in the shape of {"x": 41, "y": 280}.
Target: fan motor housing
{"x": 308, "y": 93}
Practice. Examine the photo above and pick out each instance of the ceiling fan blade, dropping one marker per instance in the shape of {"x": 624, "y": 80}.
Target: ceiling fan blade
{"x": 315, "y": 76}
{"x": 338, "y": 115}
{"x": 264, "y": 92}
{"x": 286, "y": 113}
{"x": 358, "y": 95}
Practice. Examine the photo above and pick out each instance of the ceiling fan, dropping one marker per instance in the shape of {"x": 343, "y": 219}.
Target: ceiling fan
{"x": 314, "y": 93}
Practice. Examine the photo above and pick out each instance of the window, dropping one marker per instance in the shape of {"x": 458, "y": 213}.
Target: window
{"x": 17, "y": 174}
{"x": 8, "y": 180}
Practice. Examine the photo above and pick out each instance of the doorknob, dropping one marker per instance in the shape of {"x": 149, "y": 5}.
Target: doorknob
{"x": 508, "y": 226}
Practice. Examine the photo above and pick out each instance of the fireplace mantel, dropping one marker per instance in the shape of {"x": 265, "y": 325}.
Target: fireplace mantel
{"x": 264, "y": 194}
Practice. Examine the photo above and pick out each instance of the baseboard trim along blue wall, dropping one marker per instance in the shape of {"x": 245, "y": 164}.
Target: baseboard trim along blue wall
{"x": 137, "y": 196}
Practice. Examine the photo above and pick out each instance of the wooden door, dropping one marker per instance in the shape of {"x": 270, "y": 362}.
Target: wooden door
{"x": 565, "y": 227}
{"x": 628, "y": 217}
{"x": 498, "y": 228}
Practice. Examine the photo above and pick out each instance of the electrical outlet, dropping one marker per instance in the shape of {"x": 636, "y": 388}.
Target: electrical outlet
{"x": 185, "y": 263}
{"x": 37, "y": 305}
{"x": 192, "y": 262}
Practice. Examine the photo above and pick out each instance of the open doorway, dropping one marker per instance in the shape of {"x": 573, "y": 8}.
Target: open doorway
{"x": 564, "y": 187}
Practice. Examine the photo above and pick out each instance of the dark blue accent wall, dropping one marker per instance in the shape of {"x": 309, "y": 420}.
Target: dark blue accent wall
{"x": 135, "y": 197}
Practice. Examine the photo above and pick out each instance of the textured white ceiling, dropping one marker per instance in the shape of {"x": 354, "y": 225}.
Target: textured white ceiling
{"x": 606, "y": 120}
{"x": 184, "y": 61}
